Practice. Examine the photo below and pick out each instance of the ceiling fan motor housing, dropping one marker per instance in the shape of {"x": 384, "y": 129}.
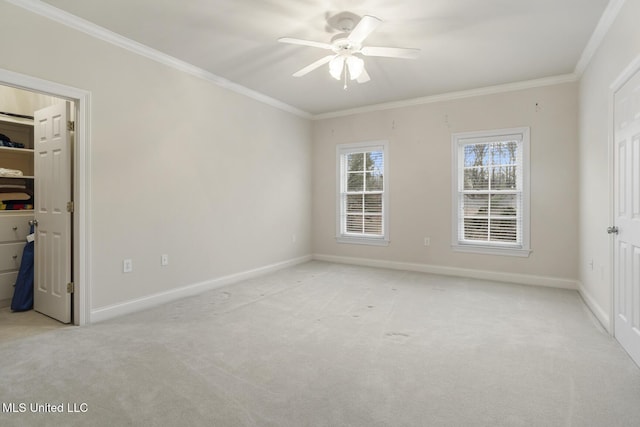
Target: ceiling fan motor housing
{"x": 343, "y": 22}
{"x": 342, "y": 45}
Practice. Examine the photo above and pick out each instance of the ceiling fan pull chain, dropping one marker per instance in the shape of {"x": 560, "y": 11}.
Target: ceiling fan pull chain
{"x": 345, "y": 77}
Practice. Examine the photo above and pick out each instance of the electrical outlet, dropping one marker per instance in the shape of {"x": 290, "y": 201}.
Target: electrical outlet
{"x": 164, "y": 260}
{"x": 427, "y": 241}
{"x": 127, "y": 266}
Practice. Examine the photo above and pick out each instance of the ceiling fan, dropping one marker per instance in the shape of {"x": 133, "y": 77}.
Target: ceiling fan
{"x": 345, "y": 62}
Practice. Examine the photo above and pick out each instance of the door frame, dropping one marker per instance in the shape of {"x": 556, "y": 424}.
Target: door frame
{"x": 81, "y": 182}
{"x": 626, "y": 74}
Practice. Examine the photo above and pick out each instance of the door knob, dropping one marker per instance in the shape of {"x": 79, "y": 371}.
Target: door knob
{"x": 612, "y": 230}
{"x": 33, "y": 222}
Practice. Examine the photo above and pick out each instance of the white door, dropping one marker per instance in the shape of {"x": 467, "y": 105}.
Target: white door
{"x": 627, "y": 216}
{"x": 52, "y": 153}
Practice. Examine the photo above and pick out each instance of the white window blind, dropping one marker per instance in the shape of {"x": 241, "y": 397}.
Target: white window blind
{"x": 490, "y": 193}
{"x": 362, "y": 182}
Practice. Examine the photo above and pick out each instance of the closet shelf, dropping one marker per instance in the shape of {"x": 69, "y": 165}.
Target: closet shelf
{"x": 18, "y": 177}
{"x": 25, "y": 151}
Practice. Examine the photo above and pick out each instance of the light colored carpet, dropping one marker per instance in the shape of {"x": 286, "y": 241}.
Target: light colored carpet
{"x": 24, "y": 324}
{"x": 323, "y": 344}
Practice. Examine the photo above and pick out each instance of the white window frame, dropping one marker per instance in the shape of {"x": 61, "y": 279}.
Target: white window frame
{"x": 459, "y": 140}
{"x": 355, "y": 238}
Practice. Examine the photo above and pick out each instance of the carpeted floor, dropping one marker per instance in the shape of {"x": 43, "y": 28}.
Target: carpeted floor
{"x": 323, "y": 344}
{"x": 25, "y": 324}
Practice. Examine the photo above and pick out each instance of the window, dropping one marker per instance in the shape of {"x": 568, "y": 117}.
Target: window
{"x": 491, "y": 191}
{"x": 362, "y": 193}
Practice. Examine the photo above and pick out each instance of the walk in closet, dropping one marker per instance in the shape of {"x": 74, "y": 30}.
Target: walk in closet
{"x": 16, "y": 198}
{"x": 36, "y": 170}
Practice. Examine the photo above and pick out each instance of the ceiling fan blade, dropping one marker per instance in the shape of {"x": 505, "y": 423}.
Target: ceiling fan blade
{"x": 391, "y": 52}
{"x": 363, "y": 77}
{"x": 311, "y": 67}
{"x": 305, "y": 43}
{"x": 365, "y": 27}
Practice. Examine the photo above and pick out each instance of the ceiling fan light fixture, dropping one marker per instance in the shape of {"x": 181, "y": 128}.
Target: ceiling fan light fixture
{"x": 335, "y": 67}
{"x": 356, "y": 66}
{"x": 346, "y": 45}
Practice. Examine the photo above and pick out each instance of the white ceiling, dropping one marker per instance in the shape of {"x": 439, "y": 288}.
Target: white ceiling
{"x": 465, "y": 44}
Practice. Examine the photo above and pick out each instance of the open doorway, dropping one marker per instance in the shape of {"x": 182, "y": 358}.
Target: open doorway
{"x": 78, "y": 182}
{"x": 36, "y": 206}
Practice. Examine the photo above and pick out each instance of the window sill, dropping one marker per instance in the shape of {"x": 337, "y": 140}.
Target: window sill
{"x": 372, "y": 241}
{"x": 492, "y": 250}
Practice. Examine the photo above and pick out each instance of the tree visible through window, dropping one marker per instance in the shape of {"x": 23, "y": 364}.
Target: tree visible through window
{"x": 362, "y": 191}
{"x": 491, "y": 198}
{"x": 491, "y": 192}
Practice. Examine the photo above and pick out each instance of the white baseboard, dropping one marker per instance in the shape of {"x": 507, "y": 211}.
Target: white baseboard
{"x": 132, "y": 306}
{"x": 115, "y": 310}
{"x": 595, "y": 308}
{"x": 523, "y": 279}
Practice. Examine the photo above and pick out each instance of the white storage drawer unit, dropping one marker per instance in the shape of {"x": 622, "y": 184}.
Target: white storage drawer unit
{"x": 14, "y": 228}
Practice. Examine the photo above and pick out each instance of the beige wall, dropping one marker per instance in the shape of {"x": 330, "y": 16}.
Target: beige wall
{"x": 218, "y": 181}
{"x": 618, "y": 49}
{"x": 18, "y": 101}
{"x": 420, "y": 178}
{"x": 184, "y": 167}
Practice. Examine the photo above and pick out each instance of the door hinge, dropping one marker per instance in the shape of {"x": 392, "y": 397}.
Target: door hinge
{"x": 71, "y": 126}
{"x": 70, "y": 207}
{"x": 70, "y": 288}
{"x": 612, "y": 230}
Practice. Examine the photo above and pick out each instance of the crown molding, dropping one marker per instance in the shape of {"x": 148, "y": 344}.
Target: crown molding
{"x": 46, "y": 10}
{"x": 489, "y": 90}
{"x": 79, "y": 24}
{"x": 604, "y": 25}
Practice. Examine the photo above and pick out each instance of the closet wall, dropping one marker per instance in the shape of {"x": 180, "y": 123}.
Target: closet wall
{"x": 23, "y": 102}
